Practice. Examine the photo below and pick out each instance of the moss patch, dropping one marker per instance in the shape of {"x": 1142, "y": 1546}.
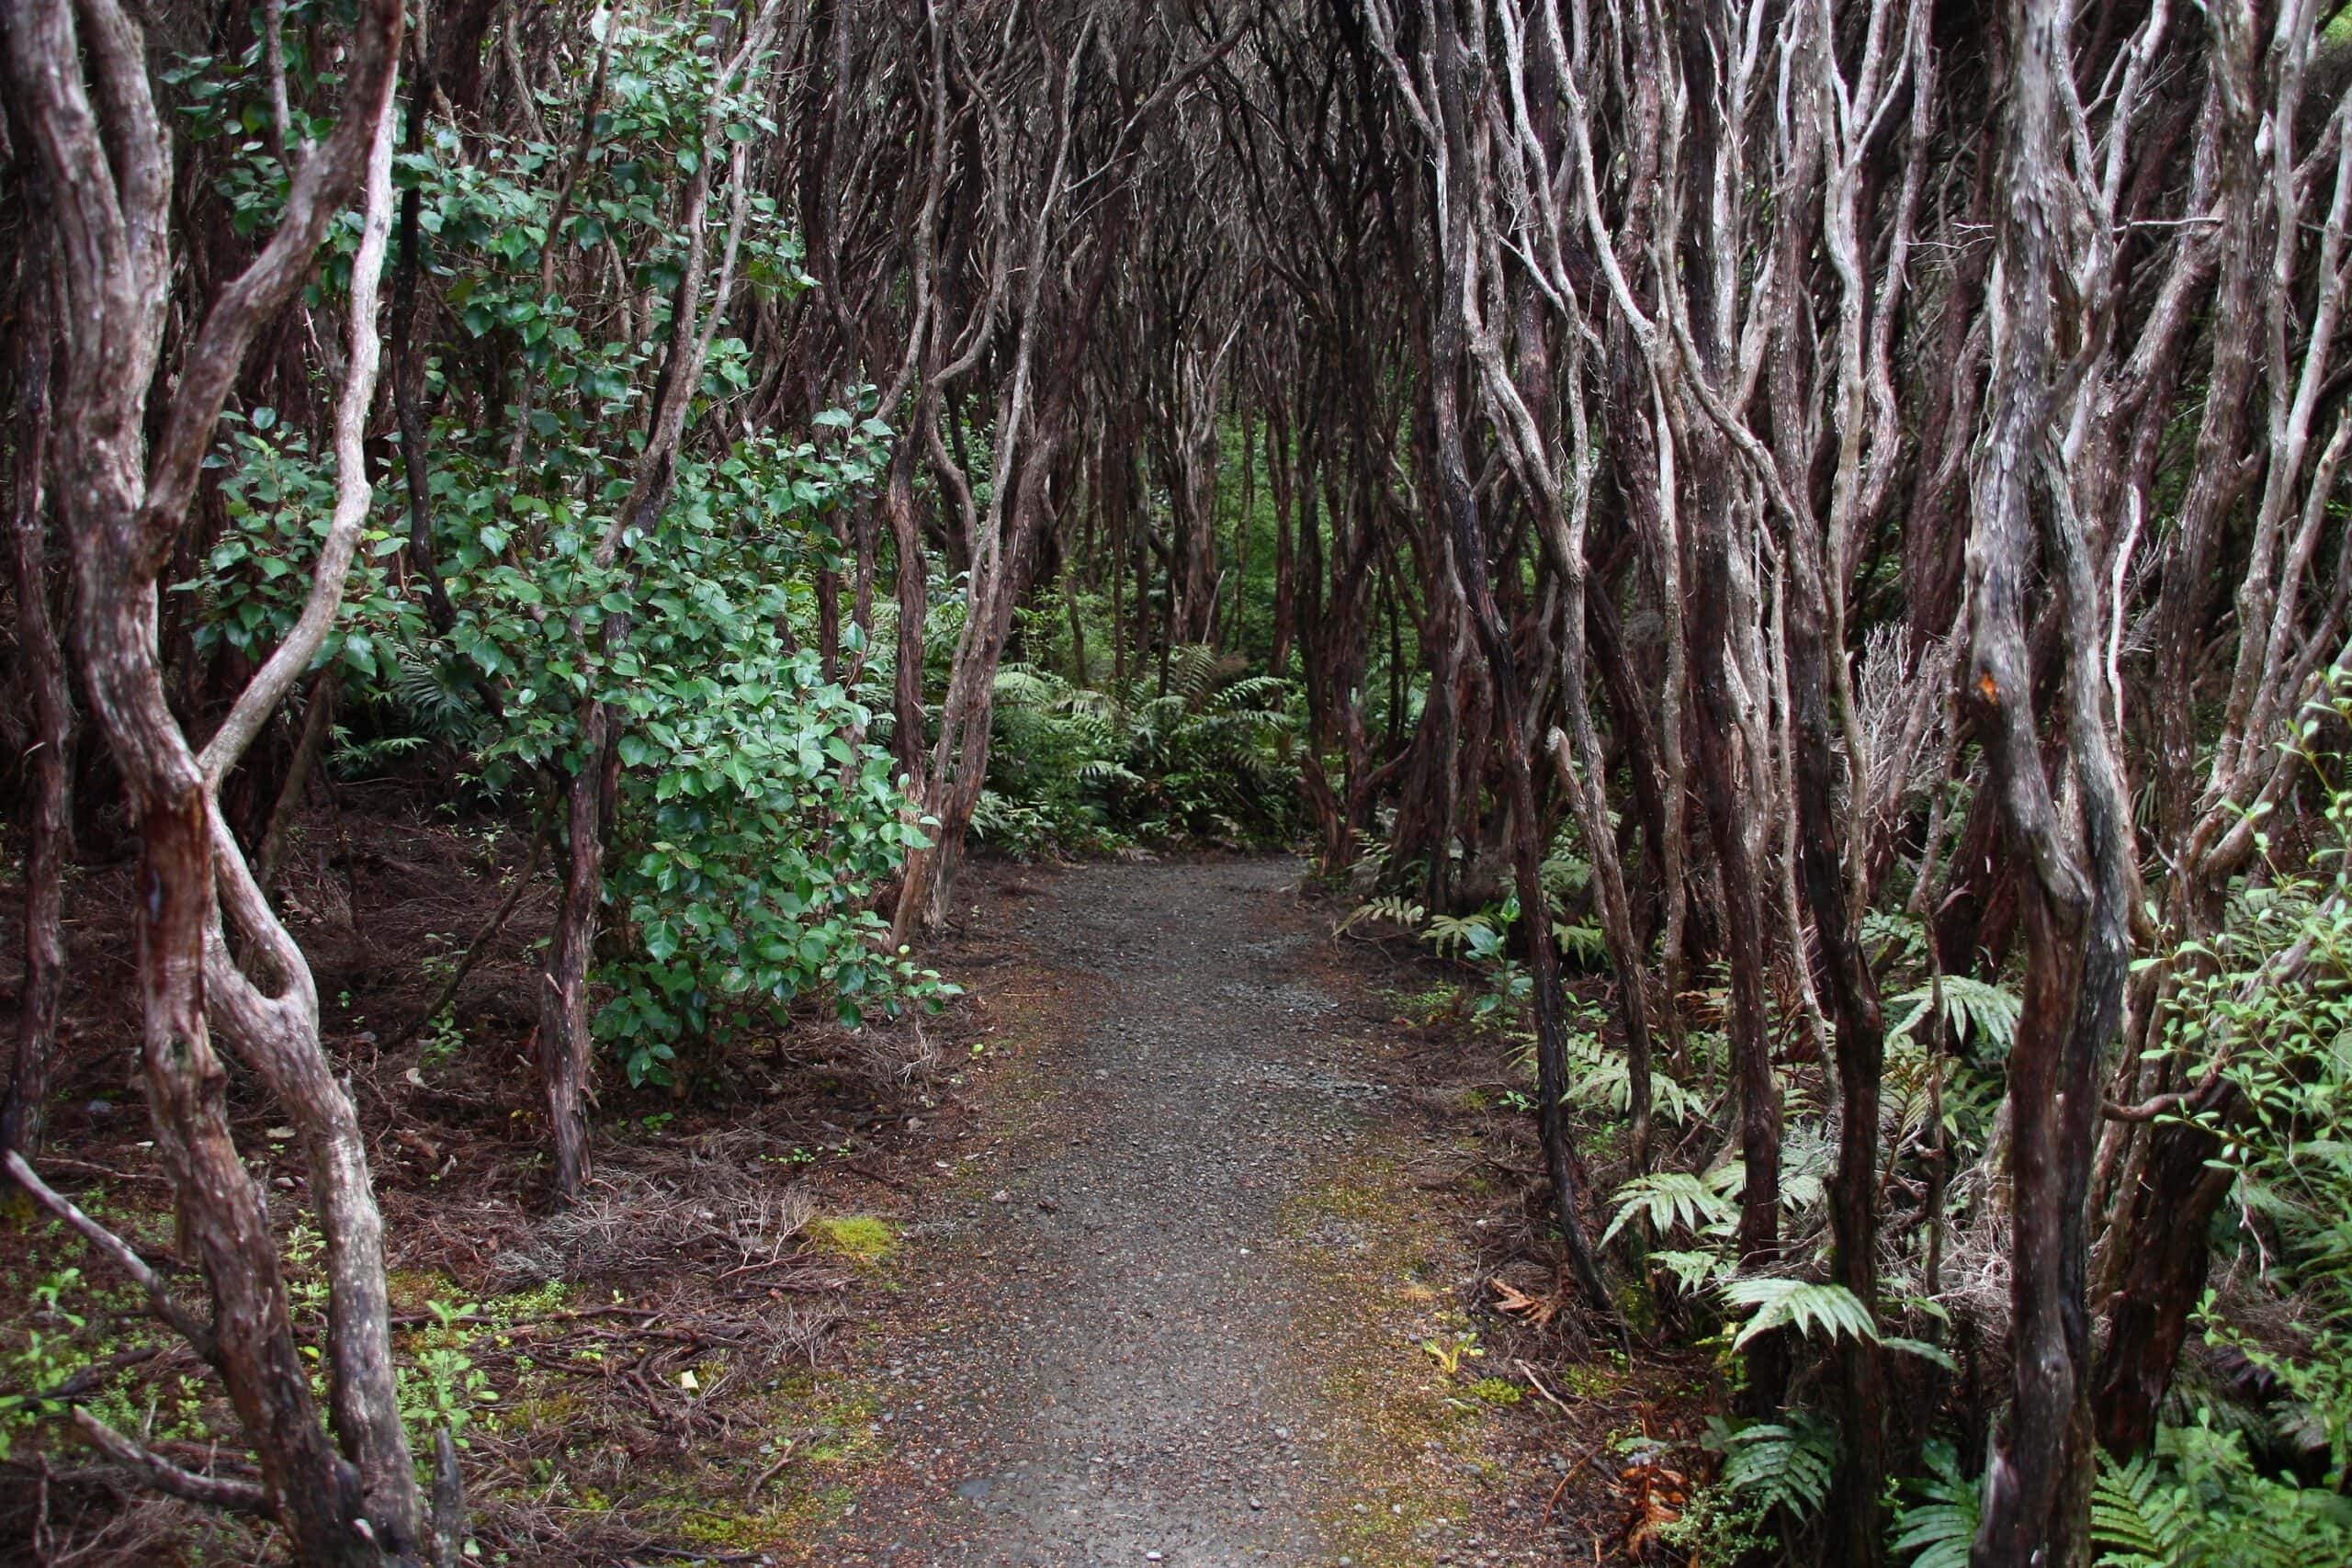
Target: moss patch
{"x": 1411, "y": 1427}
{"x": 863, "y": 1239}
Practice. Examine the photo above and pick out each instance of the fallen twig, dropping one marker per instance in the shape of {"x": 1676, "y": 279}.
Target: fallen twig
{"x": 1537, "y": 1383}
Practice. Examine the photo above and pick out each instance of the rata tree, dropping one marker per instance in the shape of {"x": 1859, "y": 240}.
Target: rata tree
{"x": 211, "y": 954}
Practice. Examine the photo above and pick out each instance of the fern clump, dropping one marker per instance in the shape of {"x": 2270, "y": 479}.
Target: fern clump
{"x": 1084, "y": 767}
{"x": 2198, "y": 1502}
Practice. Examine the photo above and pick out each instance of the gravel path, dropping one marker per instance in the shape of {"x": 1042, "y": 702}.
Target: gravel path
{"x": 1132, "y": 1331}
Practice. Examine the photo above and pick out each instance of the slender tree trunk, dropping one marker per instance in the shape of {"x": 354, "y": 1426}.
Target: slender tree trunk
{"x": 122, "y": 503}
{"x": 1854, "y": 1514}
{"x": 1711, "y": 630}
{"x": 2036, "y": 1484}
{"x": 47, "y": 802}
{"x": 567, "y": 1046}
{"x": 318, "y": 724}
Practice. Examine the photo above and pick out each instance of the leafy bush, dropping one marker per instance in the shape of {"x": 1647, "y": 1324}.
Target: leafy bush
{"x": 758, "y": 816}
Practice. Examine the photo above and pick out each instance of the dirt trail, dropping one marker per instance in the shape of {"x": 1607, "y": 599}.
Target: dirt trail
{"x": 1164, "y": 1301}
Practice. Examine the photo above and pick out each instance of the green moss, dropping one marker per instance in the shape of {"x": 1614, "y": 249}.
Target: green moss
{"x": 861, "y": 1238}
{"x": 1636, "y": 1308}
{"x": 1409, "y": 1442}
{"x": 1586, "y": 1379}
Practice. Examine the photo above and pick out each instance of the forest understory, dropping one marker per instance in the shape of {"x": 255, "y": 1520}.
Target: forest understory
{"x": 725, "y": 1353}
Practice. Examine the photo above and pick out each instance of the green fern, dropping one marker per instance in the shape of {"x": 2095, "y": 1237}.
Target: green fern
{"x": 1462, "y": 936}
{"x": 1100, "y": 771}
{"x": 1565, "y": 873}
{"x": 1991, "y": 1011}
{"x": 1805, "y": 1159}
{"x": 1786, "y": 1465}
{"x": 1024, "y": 685}
{"x": 2200, "y": 1502}
{"x": 1783, "y": 1303}
{"x": 1193, "y": 672}
{"x": 435, "y": 692}
{"x": 1390, "y": 907}
{"x": 1694, "y": 1270}
{"x": 1586, "y": 945}
{"x": 1940, "y": 1525}
{"x": 2143, "y": 1519}
{"x": 1669, "y": 1200}
{"x": 1607, "y": 1080}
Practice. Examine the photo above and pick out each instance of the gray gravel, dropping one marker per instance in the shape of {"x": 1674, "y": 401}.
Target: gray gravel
{"x": 1100, "y": 1365}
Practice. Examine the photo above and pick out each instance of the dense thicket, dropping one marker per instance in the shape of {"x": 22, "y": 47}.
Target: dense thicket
{"x": 1826, "y": 514}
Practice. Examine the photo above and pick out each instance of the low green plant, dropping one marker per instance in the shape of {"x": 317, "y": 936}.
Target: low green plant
{"x": 47, "y": 1359}
{"x": 442, "y": 1387}
{"x": 1783, "y": 1464}
{"x": 1933, "y": 1526}
{"x": 2199, "y": 1501}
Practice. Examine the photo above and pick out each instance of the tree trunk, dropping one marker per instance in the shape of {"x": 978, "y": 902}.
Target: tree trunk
{"x": 47, "y": 802}
{"x": 567, "y": 1045}
{"x": 1729, "y": 810}
{"x": 121, "y": 505}
{"x": 1854, "y": 1513}
{"x": 2037, "y": 1480}
{"x": 318, "y": 723}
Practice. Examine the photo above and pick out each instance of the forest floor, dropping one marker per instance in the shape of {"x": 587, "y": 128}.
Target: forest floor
{"x": 1182, "y": 1238}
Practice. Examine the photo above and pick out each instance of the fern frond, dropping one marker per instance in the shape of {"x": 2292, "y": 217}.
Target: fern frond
{"x": 1395, "y": 910}
{"x": 1670, "y": 1199}
{"x": 1193, "y": 671}
{"x": 1693, "y": 1270}
{"x": 1989, "y": 1009}
{"x": 1781, "y": 1303}
{"x": 1459, "y": 936}
{"x": 1942, "y": 1527}
{"x": 1786, "y": 1465}
{"x": 2144, "y": 1520}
